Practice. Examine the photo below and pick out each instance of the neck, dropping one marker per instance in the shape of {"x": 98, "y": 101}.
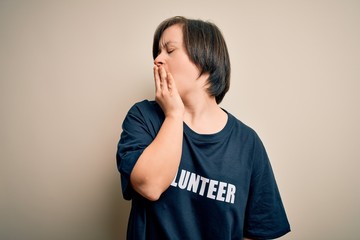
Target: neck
{"x": 203, "y": 115}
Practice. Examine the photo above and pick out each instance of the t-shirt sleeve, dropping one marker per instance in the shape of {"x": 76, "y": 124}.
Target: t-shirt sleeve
{"x": 265, "y": 216}
{"x": 135, "y": 137}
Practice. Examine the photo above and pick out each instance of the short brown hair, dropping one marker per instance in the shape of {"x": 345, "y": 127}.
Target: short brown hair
{"x": 206, "y": 48}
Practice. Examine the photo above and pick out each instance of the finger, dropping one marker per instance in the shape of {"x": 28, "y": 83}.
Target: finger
{"x": 157, "y": 78}
{"x": 163, "y": 80}
{"x": 170, "y": 81}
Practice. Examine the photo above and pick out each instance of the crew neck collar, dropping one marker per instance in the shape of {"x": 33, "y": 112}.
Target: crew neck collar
{"x": 212, "y": 137}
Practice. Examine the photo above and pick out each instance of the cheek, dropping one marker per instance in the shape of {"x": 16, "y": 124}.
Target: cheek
{"x": 182, "y": 69}
{"x": 176, "y": 70}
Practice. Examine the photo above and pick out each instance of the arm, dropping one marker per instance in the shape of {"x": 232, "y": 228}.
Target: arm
{"x": 265, "y": 216}
{"x": 157, "y": 165}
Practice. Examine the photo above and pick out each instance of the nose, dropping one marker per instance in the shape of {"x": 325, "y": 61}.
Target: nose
{"x": 159, "y": 60}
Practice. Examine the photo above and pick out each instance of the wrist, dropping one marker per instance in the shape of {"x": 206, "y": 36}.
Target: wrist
{"x": 175, "y": 113}
{"x": 175, "y": 116}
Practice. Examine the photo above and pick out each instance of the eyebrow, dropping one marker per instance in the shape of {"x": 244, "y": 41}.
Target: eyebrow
{"x": 166, "y": 44}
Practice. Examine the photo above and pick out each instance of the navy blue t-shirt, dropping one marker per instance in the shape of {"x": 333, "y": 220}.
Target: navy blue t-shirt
{"x": 224, "y": 188}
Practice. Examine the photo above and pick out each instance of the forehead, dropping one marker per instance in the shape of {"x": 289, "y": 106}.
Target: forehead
{"x": 172, "y": 34}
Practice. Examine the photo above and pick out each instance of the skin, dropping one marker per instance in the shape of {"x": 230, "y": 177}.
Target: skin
{"x": 182, "y": 95}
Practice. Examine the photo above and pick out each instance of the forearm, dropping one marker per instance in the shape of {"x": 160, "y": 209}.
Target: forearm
{"x": 158, "y": 164}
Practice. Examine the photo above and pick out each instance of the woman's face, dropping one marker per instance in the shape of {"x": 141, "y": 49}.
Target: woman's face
{"x": 174, "y": 58}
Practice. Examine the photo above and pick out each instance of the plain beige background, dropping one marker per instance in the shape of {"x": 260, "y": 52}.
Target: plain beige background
{"x": 70, "y": 70}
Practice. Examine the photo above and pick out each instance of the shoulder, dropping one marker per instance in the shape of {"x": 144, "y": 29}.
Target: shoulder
{"x": 145, "y": 113}
{"x": 246, "y": 132}
{"x": 145, "y": 106}
{"x": 146, "y": 109}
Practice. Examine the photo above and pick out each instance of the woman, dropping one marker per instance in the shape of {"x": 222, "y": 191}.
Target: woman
{"x": 191, "y": 169}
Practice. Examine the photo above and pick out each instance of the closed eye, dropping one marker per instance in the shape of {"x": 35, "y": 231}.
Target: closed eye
{"x": 170, "y": 51}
